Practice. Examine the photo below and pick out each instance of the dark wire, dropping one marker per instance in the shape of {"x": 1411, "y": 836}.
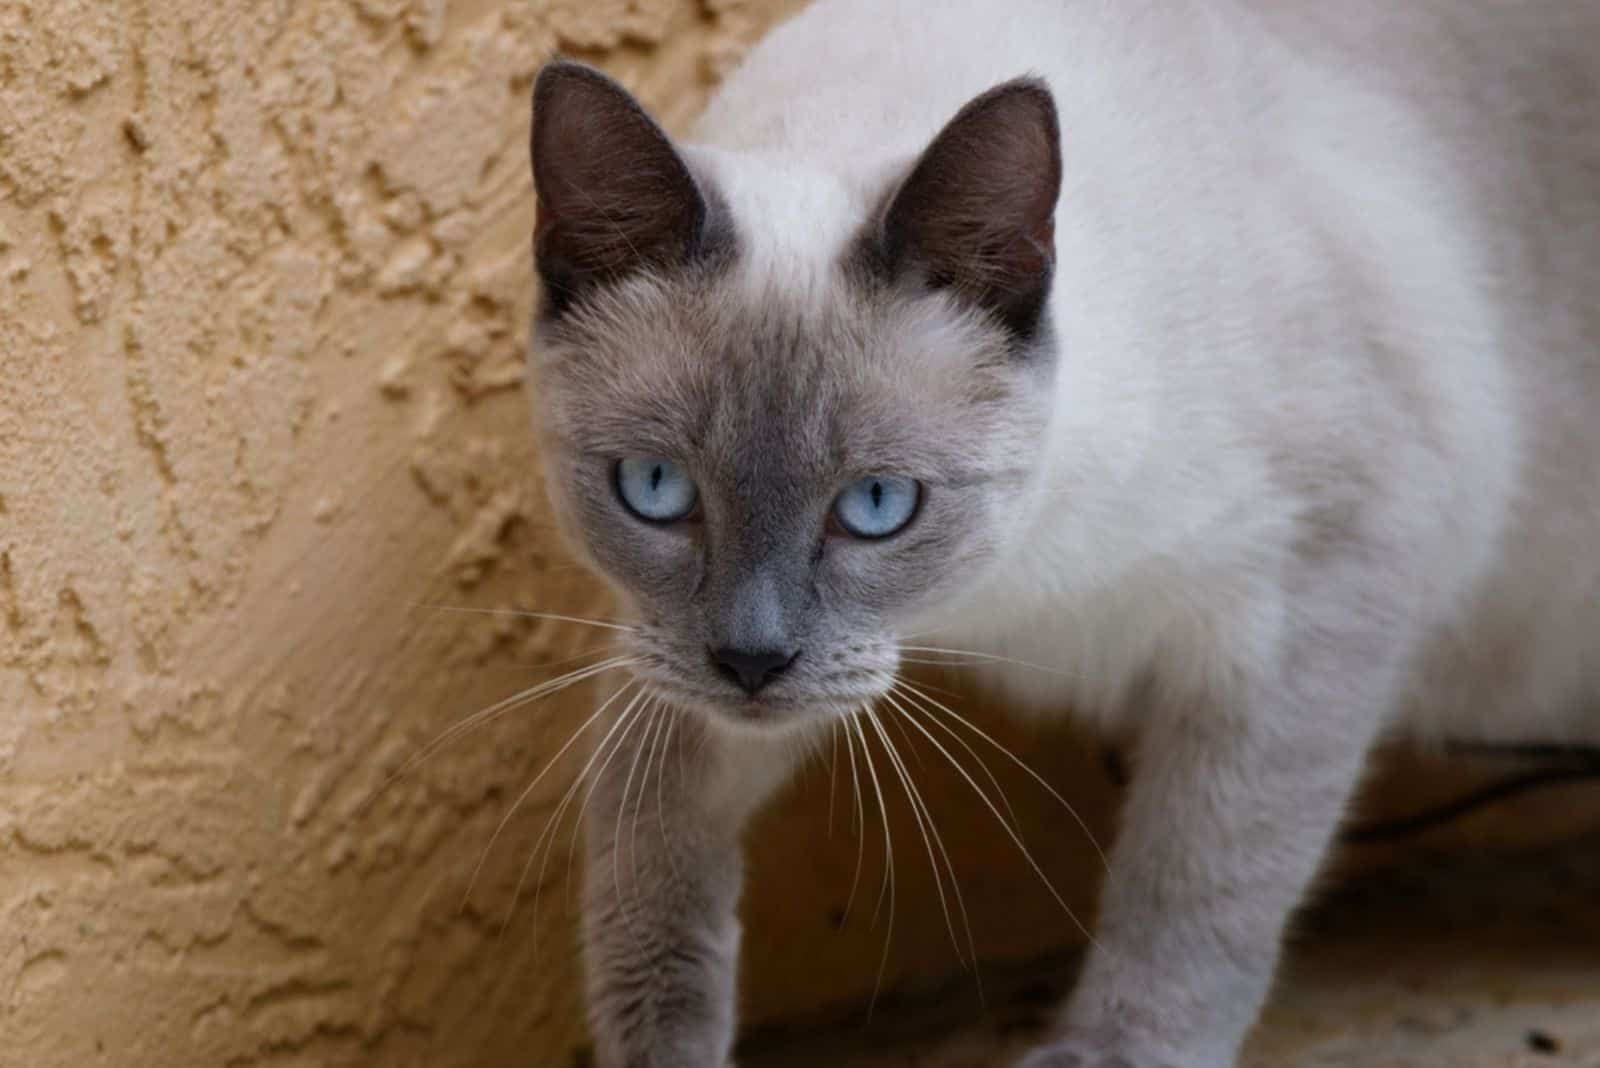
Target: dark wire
{"x": 1563, "y": 765}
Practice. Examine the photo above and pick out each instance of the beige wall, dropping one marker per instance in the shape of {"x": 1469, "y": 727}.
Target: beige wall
{"x": 263, "y": 284}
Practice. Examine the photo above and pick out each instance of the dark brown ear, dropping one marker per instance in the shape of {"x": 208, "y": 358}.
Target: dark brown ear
{"x": 977, "y": 212}
{"x": 614, "y": 195}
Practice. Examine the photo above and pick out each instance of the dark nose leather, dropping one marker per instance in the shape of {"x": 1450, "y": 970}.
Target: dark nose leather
{"x": 751, "y": 668}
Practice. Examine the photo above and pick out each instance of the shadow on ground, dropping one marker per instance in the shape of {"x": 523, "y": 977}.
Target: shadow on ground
{"x": 1450, "y": 960}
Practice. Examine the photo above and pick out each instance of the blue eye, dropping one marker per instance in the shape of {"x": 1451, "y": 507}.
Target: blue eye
{"x": 877, "y": 506}
{"x": 654, "y": 489}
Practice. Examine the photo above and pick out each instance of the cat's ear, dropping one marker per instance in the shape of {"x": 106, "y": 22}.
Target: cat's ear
{"x": 614, "y": 196}
{"x": 976, "y": 213}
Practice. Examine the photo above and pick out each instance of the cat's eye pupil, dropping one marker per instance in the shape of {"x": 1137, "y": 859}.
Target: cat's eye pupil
{"x": 655, "y": 490}
{"x": 877, "y": 506}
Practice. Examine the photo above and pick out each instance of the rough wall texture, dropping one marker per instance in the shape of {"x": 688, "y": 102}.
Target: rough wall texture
{"x": 263, "y": 281}
{"x": 263, "y": 286}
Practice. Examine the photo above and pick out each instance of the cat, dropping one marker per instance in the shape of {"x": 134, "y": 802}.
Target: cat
{"x": 1237, "y": 360}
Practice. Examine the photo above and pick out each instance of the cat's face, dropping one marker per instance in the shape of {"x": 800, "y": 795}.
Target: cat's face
{"x": 780, "y": 478}
{"x": 796, "y": 483}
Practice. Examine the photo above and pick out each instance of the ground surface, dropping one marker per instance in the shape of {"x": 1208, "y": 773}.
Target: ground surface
{"x": 1450, "y": 961}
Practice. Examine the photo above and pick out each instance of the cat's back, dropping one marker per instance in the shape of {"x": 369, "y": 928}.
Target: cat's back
{"x": 1509, "y": 98}
{"x": 842, "y": 71}
{"x": 848, "y": 80}
{"x": 1447, "y": 151}
{"x": 1441, "y": 154}
{"x": 1171, "y": 109}
{"x": 1503, "y": 102}
{"x": 1505, "y": 97}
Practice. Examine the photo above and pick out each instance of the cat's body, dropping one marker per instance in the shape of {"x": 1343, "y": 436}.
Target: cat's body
{"x": 1281, "y": 227}
{"x": 1297, "y": 441}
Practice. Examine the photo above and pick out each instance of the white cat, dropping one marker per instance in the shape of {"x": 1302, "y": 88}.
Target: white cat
{"x": 1238, "y": 359}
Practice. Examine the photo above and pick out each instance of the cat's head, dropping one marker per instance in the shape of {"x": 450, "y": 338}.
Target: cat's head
{"x": 786, "y": 417}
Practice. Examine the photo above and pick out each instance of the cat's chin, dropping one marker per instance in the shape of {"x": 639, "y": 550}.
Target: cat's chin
{"x": 768, "y": 717}
{"x": 763, "y": 715}
{"x": 766, "y": 714}
{"x": 755, "y": 713}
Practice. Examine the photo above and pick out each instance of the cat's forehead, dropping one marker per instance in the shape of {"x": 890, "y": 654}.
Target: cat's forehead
{"x": 773, "y": 376}
{"x": 792, "y": 222}
{"x": 779, "y": 349}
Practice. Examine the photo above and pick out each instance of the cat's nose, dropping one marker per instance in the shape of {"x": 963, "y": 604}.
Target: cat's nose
{"x": 752, "y": 668}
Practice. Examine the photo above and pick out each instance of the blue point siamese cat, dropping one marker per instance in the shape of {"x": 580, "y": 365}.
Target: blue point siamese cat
{"x": 1241, "y": 355}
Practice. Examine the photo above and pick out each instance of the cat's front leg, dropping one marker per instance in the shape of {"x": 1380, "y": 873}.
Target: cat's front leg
{"x": 1232, "y": 809}
{"x": 661, "y": 888}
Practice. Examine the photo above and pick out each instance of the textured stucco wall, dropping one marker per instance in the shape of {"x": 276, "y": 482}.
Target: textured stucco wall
{"x": 263, "y": 284}
{"x": 263, "y": 289}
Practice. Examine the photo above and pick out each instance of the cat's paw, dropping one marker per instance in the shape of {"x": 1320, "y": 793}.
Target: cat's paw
{"x": 1072, "y": 1054}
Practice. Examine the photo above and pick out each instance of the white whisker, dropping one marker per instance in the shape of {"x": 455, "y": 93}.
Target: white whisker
{"x": 833, "y": 773}
{"x": 483, "y": 716}
{"x": 545, "y": 665}
{"x": 625, "y": 717}
{"x": 599, "y": 776}
{"x": 977, "y": 658}
{"x": 478, "y": 869}
{"x": 651, "y": 712}
{"x": 861, "y": 818}
{"x": 661, "y": 807}
{"x": 528, "y": 614}
{"x": 683, "y": 771}
{"x": 1014, "y": 836}
{"x": 1083, "y": 825}
{"x": 930, "y": 835}
{"x": 905, "y": 737}
{"x": 935, "y": 689}
{"x": 896, "y": 686}
{"x": 657, "y": 728}
{"x": 888, "y": 866}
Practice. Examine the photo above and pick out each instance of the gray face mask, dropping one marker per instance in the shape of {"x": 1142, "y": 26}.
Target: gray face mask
{"x": 781, "y": 474}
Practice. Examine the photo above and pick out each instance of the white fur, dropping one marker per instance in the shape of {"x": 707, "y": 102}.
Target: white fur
{"x": 1207, "y": 173}
{"x": 1324, "y": 457}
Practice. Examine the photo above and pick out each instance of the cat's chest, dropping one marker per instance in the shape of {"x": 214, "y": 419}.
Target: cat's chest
{"x": 1054, "y": 649}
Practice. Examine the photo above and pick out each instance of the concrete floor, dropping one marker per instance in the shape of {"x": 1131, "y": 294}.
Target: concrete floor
{"x": 1449, "y": 961}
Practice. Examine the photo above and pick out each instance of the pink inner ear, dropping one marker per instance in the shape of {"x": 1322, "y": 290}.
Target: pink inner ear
{"x": 1046, "y": 235}
{"x": 977, "y": 212}
{"x": 543, "y": 220}
{"x": 613, "y": 195}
